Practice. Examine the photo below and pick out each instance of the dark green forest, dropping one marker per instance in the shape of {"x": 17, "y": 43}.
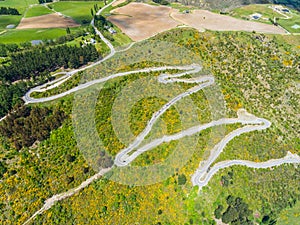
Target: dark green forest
{"x": 26, "y": 125}
{"x": 33, "y": 67}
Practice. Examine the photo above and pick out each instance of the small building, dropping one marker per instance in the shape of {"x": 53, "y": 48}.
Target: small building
{"x": 285, "y": 10}
{"x": 36, "y": 42}
{"x": 10, "y": 26}
{"x": 256, "y": 16}
{"x": 93, "y": 41}
{"x": 112, "y": 30}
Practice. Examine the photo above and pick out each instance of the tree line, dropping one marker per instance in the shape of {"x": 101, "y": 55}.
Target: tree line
{"x": 8, "y": 11}
{"x": 26, "y": 125}
{"x": 45, "y": 1}
{"x": 33, "y": 63}
{"x": 33, "y": 67}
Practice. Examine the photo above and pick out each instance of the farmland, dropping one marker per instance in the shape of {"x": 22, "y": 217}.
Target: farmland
{"x": 19, "y": 36}
{"x": 78, "y": 10}
{"x": 37, "y": 10}
{"x": 140, "y": 21}
{"x": 134, "y": 20}
{"x": 53, "y": 20}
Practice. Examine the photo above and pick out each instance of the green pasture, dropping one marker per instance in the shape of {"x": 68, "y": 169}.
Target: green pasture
{"x": 37, "y": 10}
{"x": 78, "y": 10}
{"x": 20, "y": 5}
{"x": 19, "y": 36}
{"x": 9, "y": 19}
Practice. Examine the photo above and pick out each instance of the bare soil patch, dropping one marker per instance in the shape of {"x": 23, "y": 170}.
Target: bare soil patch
{"x": 140, "y": 21}
{"x": 47, "y": 21}
{"x": 203, "y": 19}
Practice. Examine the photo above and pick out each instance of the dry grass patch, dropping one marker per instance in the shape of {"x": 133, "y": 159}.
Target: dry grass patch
{"x": 53, "y": 20}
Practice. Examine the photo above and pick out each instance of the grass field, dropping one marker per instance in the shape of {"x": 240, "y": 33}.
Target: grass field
{"x": 77, "y": 10}
{"x": 18, "y": 36}
{"x": 290, "y": 216}
{"x": 9, "y": 19}
{"x": 245, "y": 12}
{"x": 288, "y": 24}
{"x": 21, "y": 6}
{"x": 266, "y": 12}
{"x": 37, "y": 10}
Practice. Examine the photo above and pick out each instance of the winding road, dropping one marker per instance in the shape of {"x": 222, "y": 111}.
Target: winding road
{"x": 205, "y": 170}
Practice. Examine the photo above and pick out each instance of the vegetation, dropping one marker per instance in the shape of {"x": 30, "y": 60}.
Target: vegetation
{"x": 25, "y": 35}
{"x": 45, "y": 1}
{"x": 285, "y": 19}
{"x": 25, "y": 125}
{"x": 237, "y": 212}
{"x": 8, "y": 11}
{"x": 34, "y": 63}
{"x": 78, "y": 10}
{"x": 161, "y": 2}
{"x": 254, "y": 71}
{"x": 34, "y": 66}
{"x": 38, "y": 10}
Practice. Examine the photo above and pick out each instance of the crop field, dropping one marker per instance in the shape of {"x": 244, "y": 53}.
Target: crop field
{"x": 78, "y": 10}
{"x": 140, "y": 21}
{"x": 53, "y": 20}
{"x": 37, "y": 10}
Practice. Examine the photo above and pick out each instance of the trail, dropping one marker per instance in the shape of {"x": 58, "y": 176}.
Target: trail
{"x": 51, "y": 201}
{"x": 204, "y": 172}
{"x": 202, "y": 179}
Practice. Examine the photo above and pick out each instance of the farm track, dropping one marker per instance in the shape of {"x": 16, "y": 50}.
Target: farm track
{"x": 205, "y": 172}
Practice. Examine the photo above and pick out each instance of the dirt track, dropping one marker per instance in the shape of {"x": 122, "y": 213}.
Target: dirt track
{"x": 203, "y": 19}
{"x": 53, "y": 20}
{"x": 140, "y": 21}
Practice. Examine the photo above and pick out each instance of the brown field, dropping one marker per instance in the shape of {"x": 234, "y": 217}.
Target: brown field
{"x": 140, "y": 21}
{"x": 203, "y": 19}
{"x": 47, "y": 21}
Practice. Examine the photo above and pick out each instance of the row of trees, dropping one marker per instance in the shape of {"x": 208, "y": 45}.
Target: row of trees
{"x": 34, "y": 63}
{"x": 101, "y": 22}
{"x": 45, "y": 1}
{"x": 8, "y": 11}
{"x": 161, "y": 2}
{"x": 26, "y": 125}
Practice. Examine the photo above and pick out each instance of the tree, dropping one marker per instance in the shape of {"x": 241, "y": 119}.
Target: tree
{"x": 3, "y": 169}
{"x": 218, "y": 212}
{"x": 68, "y": 30}
{"x": 181, "y": 179}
